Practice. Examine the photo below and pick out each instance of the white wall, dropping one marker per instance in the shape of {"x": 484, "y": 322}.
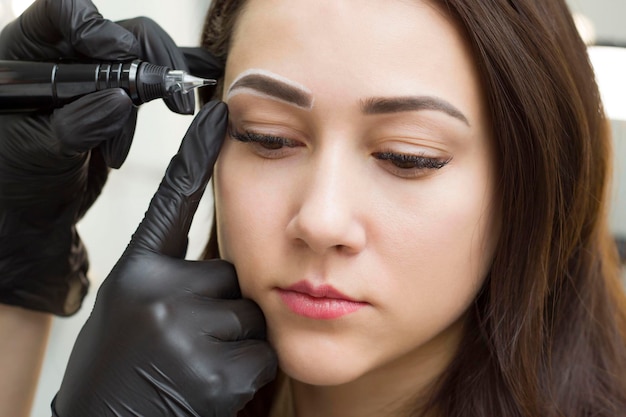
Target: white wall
{"x": 608, "y": 17}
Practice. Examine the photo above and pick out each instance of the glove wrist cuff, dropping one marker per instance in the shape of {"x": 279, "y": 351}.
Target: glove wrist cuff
{"x": 53, "y": 410}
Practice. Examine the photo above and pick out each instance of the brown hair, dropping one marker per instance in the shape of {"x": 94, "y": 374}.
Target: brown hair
{"x": 547, "y": 333}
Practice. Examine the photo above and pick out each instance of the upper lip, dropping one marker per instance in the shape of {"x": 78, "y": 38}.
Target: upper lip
{"x": 318, "y": 291}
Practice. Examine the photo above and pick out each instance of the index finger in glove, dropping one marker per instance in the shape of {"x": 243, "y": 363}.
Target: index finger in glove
{"x": 52, "y": 29}
{"x": 168, "y": 219}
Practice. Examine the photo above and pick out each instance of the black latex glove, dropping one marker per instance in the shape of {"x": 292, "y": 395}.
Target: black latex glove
{"x": 170, "y": 337}
{"x": 53, "y": 166}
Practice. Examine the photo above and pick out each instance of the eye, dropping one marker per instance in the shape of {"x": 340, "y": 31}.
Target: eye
{"x": 267, "y": 146}
{"x": 410, "y": 165}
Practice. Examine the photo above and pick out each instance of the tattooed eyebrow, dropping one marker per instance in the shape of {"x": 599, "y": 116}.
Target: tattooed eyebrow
{"x": 265, "y": 83}
{"x": 381, "y": 105}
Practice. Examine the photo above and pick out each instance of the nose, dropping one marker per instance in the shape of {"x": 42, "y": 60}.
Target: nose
{"x": 328, "y": 215}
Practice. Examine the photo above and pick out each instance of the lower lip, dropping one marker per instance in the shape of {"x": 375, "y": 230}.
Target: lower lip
{"x": 320, "y": 308}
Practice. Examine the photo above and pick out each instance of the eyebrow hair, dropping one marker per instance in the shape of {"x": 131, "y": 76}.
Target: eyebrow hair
{"x": 266, "y": 83}
{"x": 381, "y": 105}
{"x": 274, "y": 86}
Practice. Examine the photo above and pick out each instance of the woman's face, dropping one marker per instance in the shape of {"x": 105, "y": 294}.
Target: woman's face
{"x": 355, "y": 190}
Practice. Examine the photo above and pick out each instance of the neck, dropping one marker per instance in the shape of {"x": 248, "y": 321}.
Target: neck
{"x": 395, "y": 389}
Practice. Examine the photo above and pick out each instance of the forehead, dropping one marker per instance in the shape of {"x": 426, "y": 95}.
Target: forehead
{"x": 348, "y": 48}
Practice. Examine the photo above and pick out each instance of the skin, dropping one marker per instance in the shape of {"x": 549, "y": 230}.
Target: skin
{"x": 23, "y": 353}
{"x": 413, "y": 246}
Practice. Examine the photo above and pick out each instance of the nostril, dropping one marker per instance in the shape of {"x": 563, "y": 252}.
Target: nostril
{"x": 352, "y": 249}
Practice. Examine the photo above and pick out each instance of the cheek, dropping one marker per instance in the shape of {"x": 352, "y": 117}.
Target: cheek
{"x": 441, "y": 242}
{"x": 248, "y": 211}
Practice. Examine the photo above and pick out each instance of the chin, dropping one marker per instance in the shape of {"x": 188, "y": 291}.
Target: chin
{"x": 312, "y": 364}
{"x": 317, "y": 375}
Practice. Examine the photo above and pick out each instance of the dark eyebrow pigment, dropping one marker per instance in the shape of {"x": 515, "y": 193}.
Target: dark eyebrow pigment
{"x": 274, "y": 88}
{"x": 373, "y": 105}
{"x": 381, "y": 105}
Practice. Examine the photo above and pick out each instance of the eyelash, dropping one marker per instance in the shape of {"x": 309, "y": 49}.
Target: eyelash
{"x": 411, "y": 161}
{"x": 268, "y": 146}
{"x": 403, "y": 165}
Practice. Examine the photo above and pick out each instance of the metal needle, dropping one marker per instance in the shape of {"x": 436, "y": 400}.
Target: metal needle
{"x": 178, "y": 80}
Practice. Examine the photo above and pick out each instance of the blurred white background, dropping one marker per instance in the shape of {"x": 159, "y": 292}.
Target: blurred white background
{"x": 604, "y": 26}
{"x": 109, "y": 224}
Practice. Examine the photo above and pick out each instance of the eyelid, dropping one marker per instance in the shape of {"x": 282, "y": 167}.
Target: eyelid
{"x": 412, "y": 164}
{"x": 419, "y": 165}
{"x": 268, "y": 123}
{"x": 422, "y": 159}
{"x": 423, "y": 130}
{"x": 252, "y": 112}
{"x": 265, "y": 146}
{"x": 250, "y": 135}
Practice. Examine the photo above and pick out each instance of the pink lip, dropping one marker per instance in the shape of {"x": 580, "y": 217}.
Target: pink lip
{"x": 322, "y": 302}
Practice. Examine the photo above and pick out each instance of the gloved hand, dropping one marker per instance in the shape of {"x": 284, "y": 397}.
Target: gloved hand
{"x": 170, "y": 337}
{"x": 53, "y": 166}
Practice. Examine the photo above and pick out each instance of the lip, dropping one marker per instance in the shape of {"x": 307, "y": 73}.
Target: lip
{"x": 318, "y": 302}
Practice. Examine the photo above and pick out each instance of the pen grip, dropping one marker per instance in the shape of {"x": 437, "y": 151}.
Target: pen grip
{"x": 151, "y": 82}
{"x": 31, "y": 86}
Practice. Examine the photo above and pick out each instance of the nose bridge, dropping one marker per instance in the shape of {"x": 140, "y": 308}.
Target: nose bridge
{"x": 330, "y": 175}
{"x": 327, "y": 216}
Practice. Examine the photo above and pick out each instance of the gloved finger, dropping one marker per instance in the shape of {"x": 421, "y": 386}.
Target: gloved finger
{"x": 261, "y": 363}
{"x": 53, "y": 29}
{"x": 203, "y": 63}
{"x": 226, "y": 320}
{"x": 97, "y": 174}
{"x": 29, "y": 152}
{"x": 115, "y": 150}
{"x": 166, "y": 223}
{"x": 190, "y": 278}
{"x": 253, "y": 364}
{"x": 85, "y": 123}
{"x": 157, "y": 47}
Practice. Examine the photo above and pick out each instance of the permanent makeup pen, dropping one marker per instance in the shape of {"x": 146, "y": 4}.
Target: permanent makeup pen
{"x": 30, "y": 86}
